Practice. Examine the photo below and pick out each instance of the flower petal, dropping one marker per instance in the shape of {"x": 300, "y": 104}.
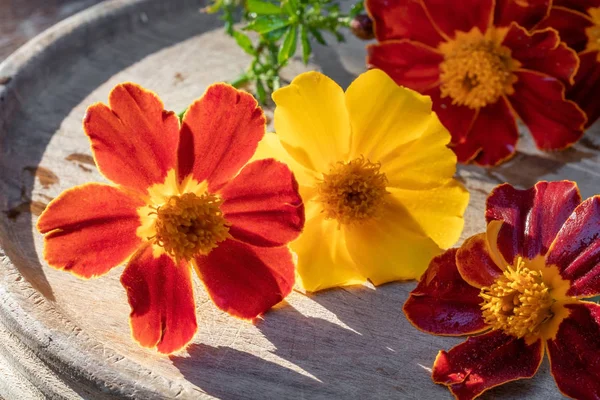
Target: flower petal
{"x": 579, "y": 5}
{"x": 312, "y": 122}
{"x": 392, "y": 247}
{"x": 574, "y": 354}
{"x": 404, "y": 19}
{"x": 457, "y": 119}
{"x": 576, "y": 249}
{"x": 443, "y": 303}
{"x": 531, "y": 217}
{"x": 408, "y": 63}
{"x": 438, "y": 211}
{"x": 323, "y": 258}
{"x": 539, "y": 100}
{"x": 246, "y": 281}
{"x": 525, "y": 13}
{"x": 460, "y": 15}
{"x": 381, "y": 133}
{"x": 587, "y": 85}
{"x": 263, "y": 205}
{"x": 570, "y": 24}
{"x": 486, "y": 361}
{"x": 492, "y": 138}
{"x": 542, "y": 51}
{"x": 475, "y": 263}
{"x": 134, "y": 140}
{"x": 90, "y": 229}
{"x": 161, "y": 297}
{"x": 219, "y": 135}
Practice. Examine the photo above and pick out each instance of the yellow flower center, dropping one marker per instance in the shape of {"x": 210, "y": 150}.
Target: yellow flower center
{"x": 352, "y": 191}
{"x": 188, "y": 225}
{"x": 477, "y": 69}
{"x": 519, "y": 302}
{"x": 593, "y": 32}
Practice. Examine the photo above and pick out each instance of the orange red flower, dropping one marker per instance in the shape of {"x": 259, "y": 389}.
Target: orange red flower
{"x": 183, "y": 196}
{"x": 483, "y": 66}
{"x": 578, "y": 22}
{"x": 521, "y": 285}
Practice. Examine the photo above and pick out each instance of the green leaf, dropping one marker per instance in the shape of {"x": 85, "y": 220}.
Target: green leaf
{"x": 288, "y": 48}
{"x": 240, "y": 80}
{"x": 318, "y": 37}
{"x": 290, "y": 7}
{"x": 306, "y": 47}
{"x": 275, "y": 35}
{"x": 262, "y": 7}
{"x": 357, "y": 9}
{"x": 267, "y": 23}
{"x": 244, "y": 42}
{"x": 260, "y": 92}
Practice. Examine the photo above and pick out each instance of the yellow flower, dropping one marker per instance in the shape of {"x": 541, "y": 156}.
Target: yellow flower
{"x": 375, "y": 175}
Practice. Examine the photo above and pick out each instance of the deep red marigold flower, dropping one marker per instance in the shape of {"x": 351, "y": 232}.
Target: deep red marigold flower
{"x": 521, "y": 285}
{"x": 183, "y": 196}
{"x": 483, "y": 67}
{"x": 578, "y": 22}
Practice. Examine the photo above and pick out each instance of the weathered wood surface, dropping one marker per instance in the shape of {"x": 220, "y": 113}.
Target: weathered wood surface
{"x": 61, "y": 337}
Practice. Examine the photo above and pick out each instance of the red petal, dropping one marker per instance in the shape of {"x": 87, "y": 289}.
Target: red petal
{"x": 539, "y": 100}
{"x": 90, "y": 229}
{"x": 492, "y": 138}
{"x": 219, "y": 135}
{"x": 475, "y": 264}
{"x": 443, "y": 303}
{"x": 570, "y": 25}
{"x": 579, "y": 5}
{"x": 160, "y": 294}
{"x": 411, "y": 64}
{"x": 402, "y": 19}
{"x": 452, "y": 16}
{"x": 263, "y": 204}
{"x": 134, "y": 141}
{"x": 587, "y": 85}
{"x": 575, "y": 353}
{"x": 576, "y": 250}
{"x": 532, "y": 217}
{"x": 525, "y": 13}
{"x": 486, "y": 361}
{"x": 457, "y": 119}
{"x": 542, "y": 51}
{"x": 244, "y": 280}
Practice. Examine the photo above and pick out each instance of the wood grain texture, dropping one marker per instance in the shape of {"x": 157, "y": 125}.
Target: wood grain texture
{"x": 61, "y": 337}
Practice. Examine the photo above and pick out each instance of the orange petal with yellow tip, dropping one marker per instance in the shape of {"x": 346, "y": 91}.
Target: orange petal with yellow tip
{"x": 90, "y": 229}
{"x": 475, "y": 263}
{"x": 134, "y": 140}
{"x": 246, "y": 281}
{"x": 219, "y": 135}
{"x": 160, "y": 294}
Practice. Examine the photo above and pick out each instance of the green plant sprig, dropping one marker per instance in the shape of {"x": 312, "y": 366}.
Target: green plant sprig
{"x": 280, "y": 27}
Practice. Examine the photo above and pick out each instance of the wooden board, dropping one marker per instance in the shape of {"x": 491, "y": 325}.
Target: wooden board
{"x": 61, "y": 337}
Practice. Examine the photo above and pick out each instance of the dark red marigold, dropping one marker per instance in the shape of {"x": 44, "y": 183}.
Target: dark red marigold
{"x": 484, "y": 66}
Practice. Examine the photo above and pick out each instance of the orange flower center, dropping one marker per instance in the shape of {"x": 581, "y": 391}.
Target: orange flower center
{"x": 519, "y": 302}
{"x": 352, "y": 191}
{"x": 593, "y": 32}
{"x": 477, "y": 69}
{"x": 188, "y": 225}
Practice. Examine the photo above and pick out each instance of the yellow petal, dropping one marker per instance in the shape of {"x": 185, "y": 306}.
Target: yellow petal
{"x": 270, "y": 147}
{"x": 323, "y": 259}
{"x": 384, "y": 116}
{"x": 423, "y": 163}
{"x": 438, "y": 211}
{"x": 312, "y": 122}
{"x": 391, "y": 247}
